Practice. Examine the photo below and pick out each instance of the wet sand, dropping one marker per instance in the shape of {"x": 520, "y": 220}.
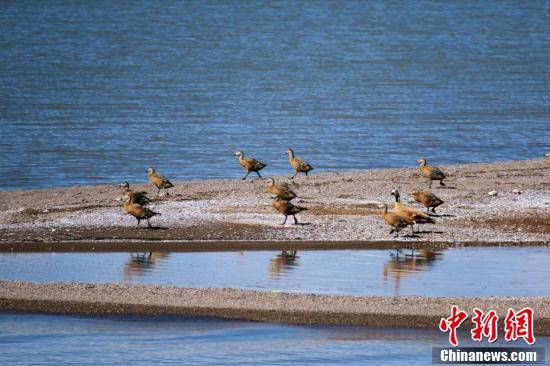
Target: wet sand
{"x": 123, "y": 299}
{"x": 342, "y": 208}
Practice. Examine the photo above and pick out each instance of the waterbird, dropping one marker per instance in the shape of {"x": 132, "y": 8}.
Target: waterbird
{"x": 249, "y": 164}
{"x": 158, "y": 180}
{"x": 281, "y": 190}
{"x": 395, "y": 221}
{"x": 138, "y": 211}
{"x": 287, "y": 209}
{"x": 139, "y": 197}
{"x": 299, "y": 165}
{"x": 410, "y": 215}
{"x": 428, "y": 199}
{"x": 431, "y": 172}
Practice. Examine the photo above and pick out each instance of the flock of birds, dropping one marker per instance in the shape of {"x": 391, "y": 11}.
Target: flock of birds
{"x": 135, "y": 202}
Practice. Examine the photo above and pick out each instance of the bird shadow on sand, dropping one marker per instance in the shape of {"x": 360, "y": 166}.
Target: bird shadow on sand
{"x": 156, "y": 228}
{"x": 446, "y": 187}
{"x": 302, "y": 223}
{"x": 430, "y": 232}
{"x": 440, "y": 215}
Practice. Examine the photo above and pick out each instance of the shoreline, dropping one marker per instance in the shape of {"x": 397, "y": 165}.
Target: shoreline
{"x": 241, "y": 245}
{"x": 343, "y": 207}
{"x": 281, "y": 307}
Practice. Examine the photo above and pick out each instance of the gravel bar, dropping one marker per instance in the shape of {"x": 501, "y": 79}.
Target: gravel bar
{"x": 291, "y": 308}
{"x": 507, "y": 202}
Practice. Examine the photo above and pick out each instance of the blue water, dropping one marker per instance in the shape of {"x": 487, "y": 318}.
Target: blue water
{"x": 484, "y": 271}
{"x": 54, "y": 339}
{"x": 95, "y": 92}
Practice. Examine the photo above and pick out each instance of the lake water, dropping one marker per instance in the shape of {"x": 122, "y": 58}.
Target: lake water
{"x": 54, "y": 339}
{"x": 484, "y": 271}
{"x": 96, "y": 92}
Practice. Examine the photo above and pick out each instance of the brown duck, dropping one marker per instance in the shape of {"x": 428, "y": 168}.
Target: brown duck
{"x": 410, "y": 215}
{"x": 299, "y": 165}
{"x": 287, "y": 209}
{"x": 428, "y": 199}
{"x": 139, "y": 197}
{"x": 431, "y": 172}
{"x": 395, "y": 221}
{"x": 158, "y": 180}
{"x": 138, "y": 211}
{"x": 281, "y": 190}
{"x": 250, "y": 164}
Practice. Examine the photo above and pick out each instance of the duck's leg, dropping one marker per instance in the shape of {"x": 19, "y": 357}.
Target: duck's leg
{"x": 284, "y": 222}
{"x": 149, "y": 224}
{"x": 412, "y": 229}
{"x": 396, "y": 234}
{"x": 430, "y": 185}
{"x": 441, "y": 182}
{"x": 158, "y": 192}
{"x": 259, "y": 176}
{"x": 138, "y": 222}
{"x": 246, "y": 175}
{"x": 295, "y": 174}
{"x": 306, "y": 173}
{"x": 295, "y": 221}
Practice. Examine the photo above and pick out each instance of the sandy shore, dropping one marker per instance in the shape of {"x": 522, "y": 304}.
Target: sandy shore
{"x": 342, "y": 207}
{"x": 124, "y": 299}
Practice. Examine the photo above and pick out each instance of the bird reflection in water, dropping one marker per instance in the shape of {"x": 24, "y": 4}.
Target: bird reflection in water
{"x": 284, "y": 261}
{"x": 141, "y": 263}
{"x": 403, "y": 264}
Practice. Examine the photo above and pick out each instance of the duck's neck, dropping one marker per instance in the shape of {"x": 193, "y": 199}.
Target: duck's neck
{"x": 290, "y": 154}
{"x": 423, "y": 163}
{"x": 397, "y": 198}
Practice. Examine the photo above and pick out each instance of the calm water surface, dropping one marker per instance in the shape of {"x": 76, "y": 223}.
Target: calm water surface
{"x": 505, "y": 271}
{"x": 95, "y": 92}
{"x": 48, "y": 339}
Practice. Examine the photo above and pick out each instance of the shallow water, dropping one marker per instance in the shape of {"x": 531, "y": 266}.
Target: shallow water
{"x": 95, "y": 92}
{"x": 474, "y": 271}
{"x": 53, "y": 339}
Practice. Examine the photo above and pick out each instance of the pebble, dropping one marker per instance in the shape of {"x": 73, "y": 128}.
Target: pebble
{"x": 493, "y": 193}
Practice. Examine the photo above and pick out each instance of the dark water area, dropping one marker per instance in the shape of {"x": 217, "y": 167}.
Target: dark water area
{"x": 56, "y": 339}
{"x": 96, "y": 92}
{"x": 475, "y": 271}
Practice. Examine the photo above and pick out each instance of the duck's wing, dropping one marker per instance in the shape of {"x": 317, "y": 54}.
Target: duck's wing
{"x": 303, "y": 164}
{"x": 436, "y": 172}
{"x": 163, "y": 181}
{"x": 255, "y": 164}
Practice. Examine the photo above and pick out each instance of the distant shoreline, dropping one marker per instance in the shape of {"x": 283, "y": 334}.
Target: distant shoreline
{"x": 238, "y": 175}
{"x": 343, "y": 208}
